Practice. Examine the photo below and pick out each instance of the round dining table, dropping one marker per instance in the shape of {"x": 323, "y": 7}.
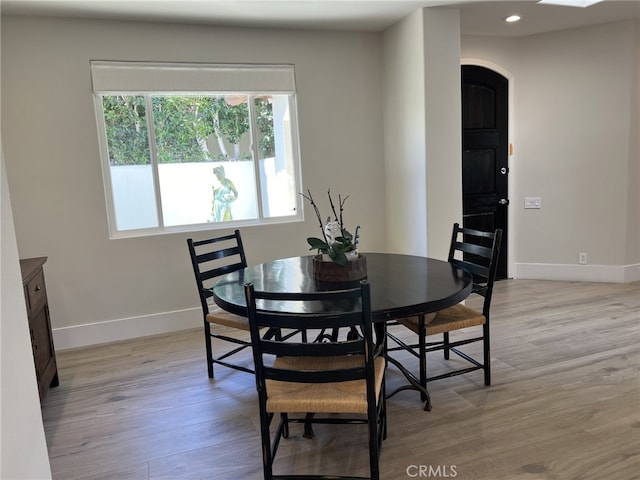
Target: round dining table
{"x": 401, "y": 286}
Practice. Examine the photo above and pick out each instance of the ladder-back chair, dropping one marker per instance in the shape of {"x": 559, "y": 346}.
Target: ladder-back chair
{"x": 477, "y": 252}
{"x": 210, "y": 259}
{"x": 327, "y": 377}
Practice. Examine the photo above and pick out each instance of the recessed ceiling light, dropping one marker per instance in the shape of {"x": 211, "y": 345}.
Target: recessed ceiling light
{"x": 570, "y": 3}
{"x": 512, "y": 18}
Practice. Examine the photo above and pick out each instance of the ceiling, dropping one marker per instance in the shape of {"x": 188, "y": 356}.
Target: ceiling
{"x": 476, "y": 17}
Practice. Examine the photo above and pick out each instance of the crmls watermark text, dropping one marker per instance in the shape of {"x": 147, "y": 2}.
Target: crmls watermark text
{"x": 431, "y": 471}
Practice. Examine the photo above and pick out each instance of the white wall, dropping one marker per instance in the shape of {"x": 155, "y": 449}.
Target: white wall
{"x": 23, "y": 449}
{"x": 422, "y": 131}
{"x": 576, "y": 146}
{"x": 405, "y": 148}
{"x": 101, "y": 289}
{"x": 632, "y": 250}
{"x": 443, "y": 110}
{"x": 187, "y": 192}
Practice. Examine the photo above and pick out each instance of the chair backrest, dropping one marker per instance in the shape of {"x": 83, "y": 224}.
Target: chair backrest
{"x": 214, "y": 257}
{"x": 479, "y": 252}
{"x": 343, "y": 309}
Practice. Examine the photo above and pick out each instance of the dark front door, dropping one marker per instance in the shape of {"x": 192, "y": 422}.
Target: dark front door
{"x": 485, "y": 169}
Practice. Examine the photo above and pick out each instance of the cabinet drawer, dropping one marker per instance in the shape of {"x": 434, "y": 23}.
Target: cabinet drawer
{"x": 40, "y": 330}
{"x": 36, "y": 292}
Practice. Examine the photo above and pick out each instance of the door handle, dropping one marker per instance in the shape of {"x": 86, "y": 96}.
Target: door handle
{"x": 503, "y": 201}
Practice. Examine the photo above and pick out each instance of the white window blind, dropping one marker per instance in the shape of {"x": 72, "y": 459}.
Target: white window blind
{"x": 110, "y": 77}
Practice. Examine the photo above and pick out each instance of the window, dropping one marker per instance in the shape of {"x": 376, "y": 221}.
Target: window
{"x": 189, "y": 147}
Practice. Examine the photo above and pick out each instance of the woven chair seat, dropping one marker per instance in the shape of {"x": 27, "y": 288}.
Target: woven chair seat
{"x": 452, "y": 318}
{"x": 222, "y": 317}
{"x": 338, "y": 397}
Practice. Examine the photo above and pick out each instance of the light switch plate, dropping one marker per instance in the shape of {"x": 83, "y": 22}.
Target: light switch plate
{"x": 532, "y": 202}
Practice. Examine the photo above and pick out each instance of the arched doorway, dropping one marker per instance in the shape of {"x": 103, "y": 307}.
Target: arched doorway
{"x": 485, "y": 153}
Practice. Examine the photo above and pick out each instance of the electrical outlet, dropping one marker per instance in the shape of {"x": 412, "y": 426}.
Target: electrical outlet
{"x": 582, "y": 258}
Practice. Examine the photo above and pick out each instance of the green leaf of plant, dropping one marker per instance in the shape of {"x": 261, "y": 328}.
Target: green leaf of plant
{"x": 338, "y": 256}
{"x": 318, "y": 244}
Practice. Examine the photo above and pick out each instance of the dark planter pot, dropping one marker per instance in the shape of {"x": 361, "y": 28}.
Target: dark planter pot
{"x": 329, "y": 271}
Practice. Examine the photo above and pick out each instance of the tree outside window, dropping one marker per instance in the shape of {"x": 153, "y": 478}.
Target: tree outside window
{"x": 165, "y": 153}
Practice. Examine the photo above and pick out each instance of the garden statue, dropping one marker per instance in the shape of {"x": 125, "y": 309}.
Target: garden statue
{"x": 223, "y": 195}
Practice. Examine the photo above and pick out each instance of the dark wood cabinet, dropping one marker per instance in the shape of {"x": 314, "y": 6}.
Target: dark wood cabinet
{"x": 35, "y": 294}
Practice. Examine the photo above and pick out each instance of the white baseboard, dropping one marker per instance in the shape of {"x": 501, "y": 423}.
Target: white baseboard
{"x": 165, "y": 322}
{"x": 580, "y": 273}
{"x": 126, "y": 328}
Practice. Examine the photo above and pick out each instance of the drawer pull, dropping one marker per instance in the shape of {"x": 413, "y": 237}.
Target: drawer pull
{"x": 38, "y": 288}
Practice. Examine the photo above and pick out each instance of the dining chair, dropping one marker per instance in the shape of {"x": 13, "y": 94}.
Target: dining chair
{"x": 477, "y": 252}
{"x": 333, "y": 376}
{"x": 210, "y": 259}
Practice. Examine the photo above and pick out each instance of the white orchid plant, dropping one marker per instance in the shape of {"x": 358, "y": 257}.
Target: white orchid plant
{"x": 336, "y": 240}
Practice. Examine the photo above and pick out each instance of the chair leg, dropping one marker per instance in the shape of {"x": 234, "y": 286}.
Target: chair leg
{"x": 374, "y": 447}
{"x": 285, "y": 422}
{"x": 207, "y": 340}
{"x": 445, "y": 343}
{"x": 422, "y": 346}
{"x": 383, "y": 419}
{"x": 487, "y": 354}
{"x": 267, "y": 457}
{"x": 308, "y": 426}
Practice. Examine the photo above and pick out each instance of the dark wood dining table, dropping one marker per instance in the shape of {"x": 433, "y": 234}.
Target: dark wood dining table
{"x": 401, "y": 286}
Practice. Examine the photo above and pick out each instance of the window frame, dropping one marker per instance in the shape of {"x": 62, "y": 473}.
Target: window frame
{"x": 104, "y": 86}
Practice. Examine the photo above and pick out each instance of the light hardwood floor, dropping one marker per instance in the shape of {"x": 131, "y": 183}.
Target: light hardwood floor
{"x": 564, "y": 404}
